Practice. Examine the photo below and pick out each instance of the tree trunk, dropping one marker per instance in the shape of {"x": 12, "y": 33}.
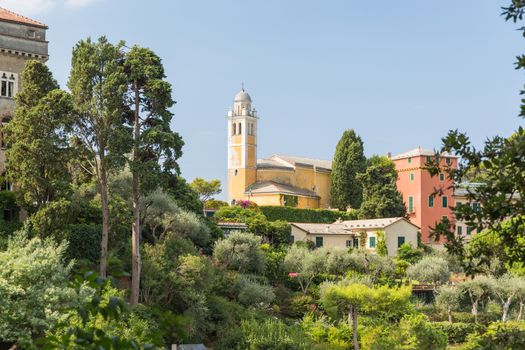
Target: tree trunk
{"x": 354, "y": 328}
{"x": 520, "y": 312}
{"x": 449, "y": 312}
{"x": 135, "y": 227}
{"x": 104, "y": 199}
{"x": 475, "y": 310}
{"x": 506, "y": 307}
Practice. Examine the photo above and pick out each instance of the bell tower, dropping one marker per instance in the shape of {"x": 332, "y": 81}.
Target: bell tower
{"x": 242, "y": 146}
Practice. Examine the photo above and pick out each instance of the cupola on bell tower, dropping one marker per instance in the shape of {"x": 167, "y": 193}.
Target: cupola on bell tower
{"x": 242, "y": 146}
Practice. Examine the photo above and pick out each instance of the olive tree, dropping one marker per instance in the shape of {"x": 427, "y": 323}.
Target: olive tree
{"x": 448, "y": 298}
{"x": 431, "y": 269}
{"x": 477, "y": 289}
{"x": 241, "y": 252}
{"x": 305, "y": 264}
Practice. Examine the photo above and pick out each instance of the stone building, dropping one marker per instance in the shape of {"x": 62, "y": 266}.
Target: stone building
{"x": 277, "y": 180}
{"x": 21, "y": 39}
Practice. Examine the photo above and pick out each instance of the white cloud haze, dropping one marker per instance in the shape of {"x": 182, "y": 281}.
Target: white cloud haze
{"x": 33, "y": 7}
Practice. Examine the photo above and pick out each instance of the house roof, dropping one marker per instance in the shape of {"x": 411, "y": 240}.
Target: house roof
{"x": 9, "y": 16}
{"x": 271, "y": 187}
{"x": 290, "y": 162}
{"x": 419, "y": 151}
{"x": 347, "y": 227}
{"x": 464, "y": 188}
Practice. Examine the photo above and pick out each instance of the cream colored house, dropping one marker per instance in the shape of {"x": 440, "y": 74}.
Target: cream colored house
{"x": 359, "y": 233}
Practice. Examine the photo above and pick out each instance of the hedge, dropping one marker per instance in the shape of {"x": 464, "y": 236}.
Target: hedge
{"x": 458, "y": 331}
{"x": 321, "y": 216}
{"x": 499, "y": 336}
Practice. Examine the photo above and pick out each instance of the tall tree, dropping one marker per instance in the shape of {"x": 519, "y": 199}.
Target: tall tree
{"x": 39, "y": 151}
{"x": 349, "y": 161}
{"x": 502, "y": 193}
{"x": 98, "y": 85}
{"x": 381, "y": 199}
{"x": 206, "y": 189}
{"x": 156, "y": 147}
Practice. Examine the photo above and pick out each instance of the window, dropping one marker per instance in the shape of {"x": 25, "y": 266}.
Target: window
{"x": 356, "y": 242}
{"x": 431, "y": 201}
{"x": 444, "y": 202}
{"x": 410, "y": 204}
{"x": 240, "y": 129}
{"x": 31, "y": 34}
{"x": 476, "y": 206}
{"x": 411, "y": 176}
{"x": 469, "y": 230}
{"x": 349, "y": 244}
{"x": 400, "y": 241}
{"x": 428, "y": 159}
{"x": 460, "y": 230}
{"x": 318, "y": 242}
{"x": 8, "y": 84}
{"x": 442, "y": 177}
{"x": 448, "y": 161}
{"x": 409, "y": 160}
{"x": 372, "y": 242}
{"x": 234, "y": 130}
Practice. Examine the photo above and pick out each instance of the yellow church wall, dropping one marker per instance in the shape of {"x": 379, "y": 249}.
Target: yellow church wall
{"x": 237, "y": 183}
{"x": 305, "y": 178}
{"x": 250, "y": 139}
{"x": 236, "y": 139}
{"x": 251, "y": 161}
{"x": 323, "y": 184}
{"x": 277, "y": 175}
{"x": 308, "y": 203}
{"x": 267, "y": 199}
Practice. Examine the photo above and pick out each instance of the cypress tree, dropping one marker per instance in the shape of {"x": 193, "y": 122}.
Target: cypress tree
{"x": 349, "y": 161}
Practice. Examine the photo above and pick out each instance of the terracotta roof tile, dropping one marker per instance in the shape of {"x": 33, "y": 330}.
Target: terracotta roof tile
{"x": 6, "y": 15}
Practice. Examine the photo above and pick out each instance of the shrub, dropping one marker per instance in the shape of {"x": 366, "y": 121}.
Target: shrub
{"x": 299, "y": 304}
{"x": 419, "y": 334}
{"x": 290, "y": 214}
{"x": 215, "y": 204}
{"x": 251, "y": 292}
{"x": 273, "y": 335}
{"x": 240, "y": 252}
{"x": 458, "y": 331}
{"x": 84, "y": 242}
{"x": 499, "y": 336}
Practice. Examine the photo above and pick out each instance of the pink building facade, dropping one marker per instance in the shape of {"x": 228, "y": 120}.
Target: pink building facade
{"x": 425, "y": 208}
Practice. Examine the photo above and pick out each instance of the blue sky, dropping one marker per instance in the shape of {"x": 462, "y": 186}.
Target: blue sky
{"x": 401, "y": 73}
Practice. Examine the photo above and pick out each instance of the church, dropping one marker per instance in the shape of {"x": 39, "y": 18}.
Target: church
{"x": 278, "y": 180}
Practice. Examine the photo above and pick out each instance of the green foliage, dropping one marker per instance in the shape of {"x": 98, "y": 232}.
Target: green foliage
{"x": 329, "y": 336}
{"x": 409, "y": 254}
{"x": 430, "y": 269}
{"x": 215, "y": 204}
{"x": 251, "y": 293}
{"x": 7, "y": 227}
{"x": 33, "y": 287}
{"x": 103, "y": 321}
{"x": 381, "y": 199}
{"x": 419, "y": 334}
{"x": 84, "y": 242}
{"x": 499, "y": 336}
{"x": 349, "y": 161}
{"x": 272, "y": 335}
{"x": 38, "y": 153}
{"x": 182, "y": 192}
{"x": 241, "y": 252}
{"x": 448, "y": 298}
{"x": 290, "y": 214}
{"x": 308, "y": 264}
{"x": 381, "y": 248}
{"x": 457, "y": 332}
{"x": 206, "y": 189}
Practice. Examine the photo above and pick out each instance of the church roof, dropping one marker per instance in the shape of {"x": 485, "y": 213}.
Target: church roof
{"x": 271, "y": 187}
{"x": 419, "y": 151}
{"x": 9, "y": 16}
{"x": 242, "y": 96}
{"x": 290, "y": 162}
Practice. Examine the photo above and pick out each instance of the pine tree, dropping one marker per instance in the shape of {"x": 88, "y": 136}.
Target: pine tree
{"x": 381, "y": 199}
{"x": 156, "y": 147}
{"x": 98, "y": 85}
{"x": 349, "y": 161}
{"x": 38, "y": 151}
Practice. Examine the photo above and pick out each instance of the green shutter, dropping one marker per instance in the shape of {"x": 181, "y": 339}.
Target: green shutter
{"x": 409, "y": 160}
{"x": 441, "y": 177}
{"x": 400, "y": 241}
{"x": 431, "y": 201}
{"x": 444, "y": 201}
{"x": 318, "y": 242}
{"x": 460, "y": 230}
{"x": 410, "y": 204}
{"x": 411, "y": 176}
{"x": 372, "y": 242}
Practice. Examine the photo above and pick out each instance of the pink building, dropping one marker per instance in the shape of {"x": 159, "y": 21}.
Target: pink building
{"x": 417, "y": 186}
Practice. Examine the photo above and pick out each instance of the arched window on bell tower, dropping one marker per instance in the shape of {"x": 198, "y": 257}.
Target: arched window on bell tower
{"x": 240, "y": 129}
{"x": 234, "y": 129}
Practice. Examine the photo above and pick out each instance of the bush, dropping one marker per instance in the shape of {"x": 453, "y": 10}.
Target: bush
{"x": 240, "y": 252}
{"x": 289, "y": 214}
{"x": 84, "y": 242}
{"x": 419, "y": 334}
{"x": 499, "y": 336}
{"x": 458, "y": 331}
{"x": 251, "y": 292}
{"x": 215, "y": 204}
